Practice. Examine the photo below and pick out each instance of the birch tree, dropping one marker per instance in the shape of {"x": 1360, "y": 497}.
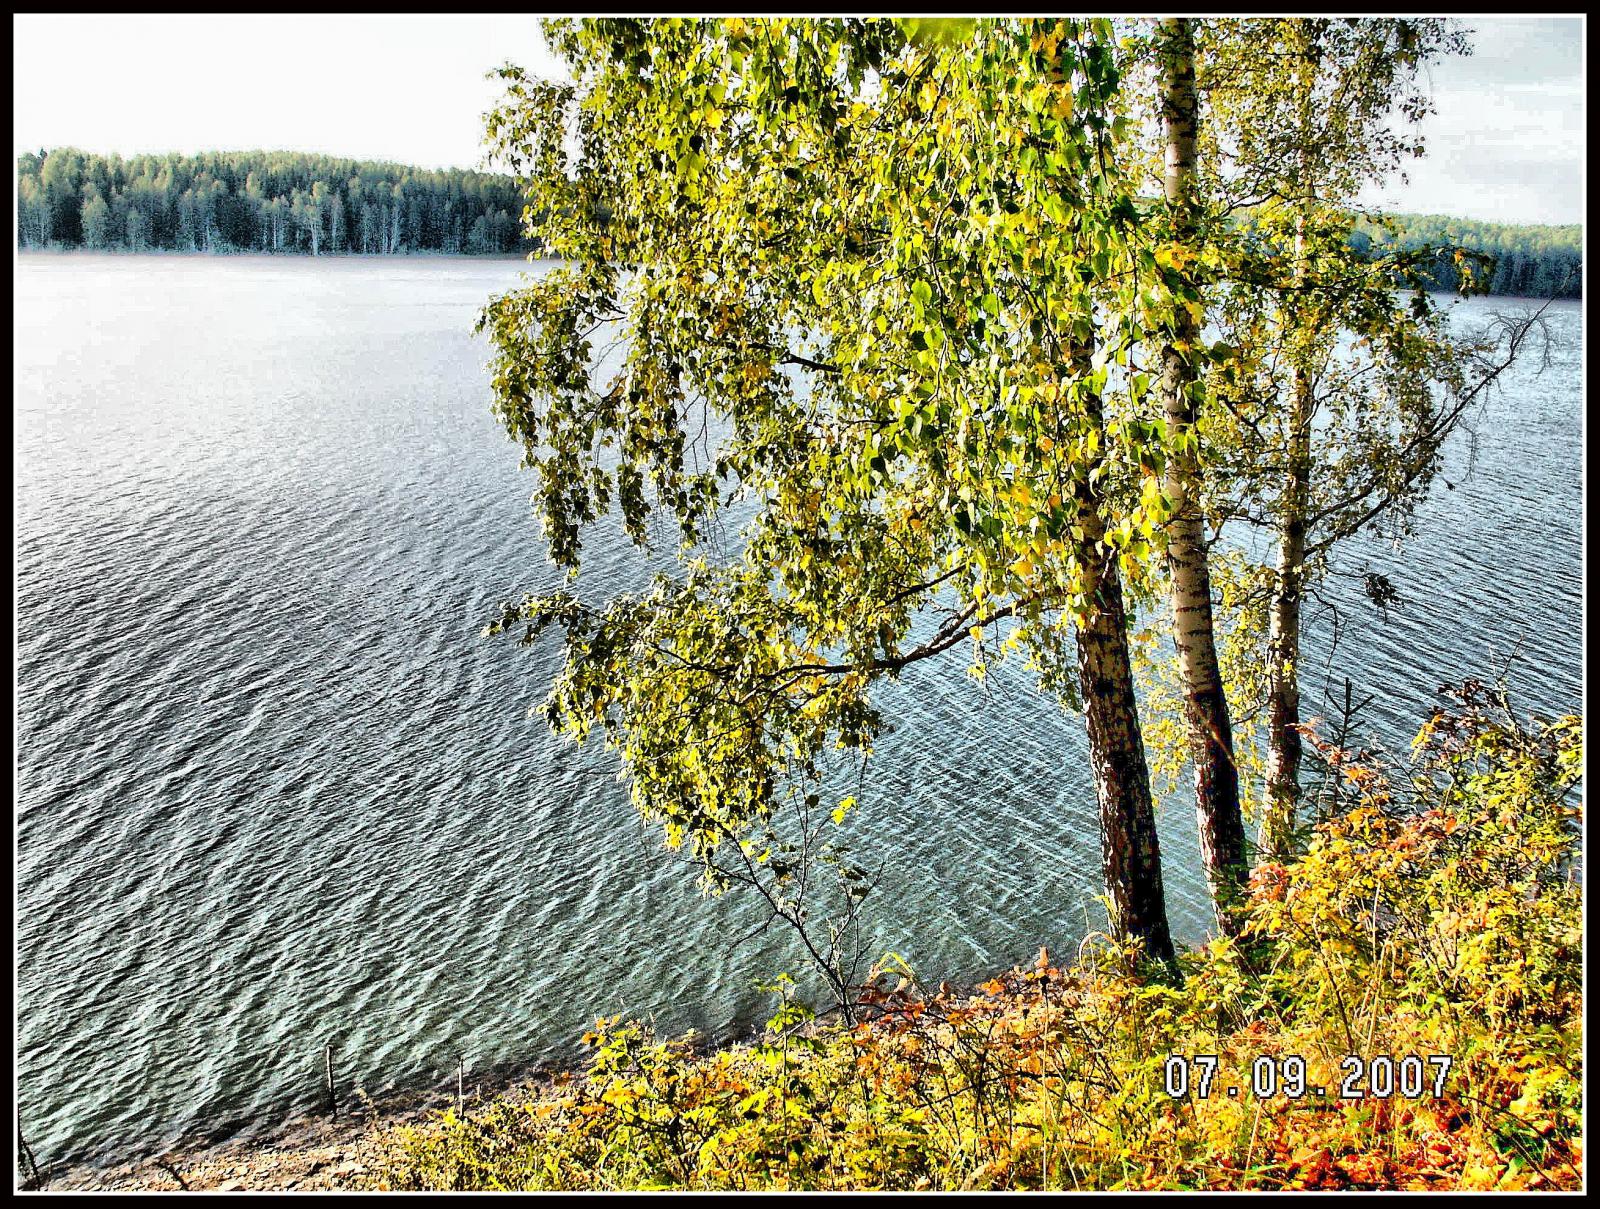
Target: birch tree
{"x": 1182, "y": 366}
{"x": 96, "y": 220}
{"x": 870, "y": 277}
{"x": 1345, "y": 388}
{"x": 33, "y": 213}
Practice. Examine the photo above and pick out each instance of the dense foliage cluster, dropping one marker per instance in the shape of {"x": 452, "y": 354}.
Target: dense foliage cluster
{"x": 260, "y": 201}
{"x": 1440, "y": 913}
{"x": 853, "y": 275}
{"x": 1529, "y": 261}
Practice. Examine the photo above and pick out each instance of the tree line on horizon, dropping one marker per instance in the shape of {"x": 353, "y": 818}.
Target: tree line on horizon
{"x": 260, "y": 201}
{"x": 1530, "y": 260}
{"x": 300, "y": 203}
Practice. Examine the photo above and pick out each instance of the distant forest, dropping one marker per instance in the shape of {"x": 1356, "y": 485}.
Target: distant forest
{"x": 1534, "y": 261}
{"x": 260, "y": 201}
{"x": 281, "y": 201}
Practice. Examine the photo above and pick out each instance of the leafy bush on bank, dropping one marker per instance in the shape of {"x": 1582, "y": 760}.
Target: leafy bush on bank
{"x": 1439, "y": 913}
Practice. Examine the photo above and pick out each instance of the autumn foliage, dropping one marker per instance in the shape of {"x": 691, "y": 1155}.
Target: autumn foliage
{"x": 1439, "y": 913}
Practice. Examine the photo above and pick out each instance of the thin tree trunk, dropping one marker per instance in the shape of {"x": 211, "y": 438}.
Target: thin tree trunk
{"x": 1283, "y": 629}
{"x": 1130, "y": 852}
{"x": 1284, "y": 747}
{"x": 1222, "y": 844}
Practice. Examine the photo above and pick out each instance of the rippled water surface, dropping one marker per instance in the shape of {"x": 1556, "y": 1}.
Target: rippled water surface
{"x": 275, "y": 791}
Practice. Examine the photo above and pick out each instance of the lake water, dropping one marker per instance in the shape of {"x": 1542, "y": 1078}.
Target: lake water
{"x": 275, "y": 791}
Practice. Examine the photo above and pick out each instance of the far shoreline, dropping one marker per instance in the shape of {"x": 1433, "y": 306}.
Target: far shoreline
{"x": 178, "y": 254}
{"x": 434, "y": 254}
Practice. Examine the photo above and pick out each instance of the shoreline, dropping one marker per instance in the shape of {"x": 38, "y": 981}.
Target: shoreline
{"x": 302, "y": 1151}
{"x": 432, "y": 254}
{"x": 285, "y": 1153}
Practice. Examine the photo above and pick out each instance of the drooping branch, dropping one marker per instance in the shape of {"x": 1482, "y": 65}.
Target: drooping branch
{"x": 1424, "y": 445}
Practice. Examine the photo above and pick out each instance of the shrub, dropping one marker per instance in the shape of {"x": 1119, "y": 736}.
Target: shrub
{"x": 1440, "y": 914}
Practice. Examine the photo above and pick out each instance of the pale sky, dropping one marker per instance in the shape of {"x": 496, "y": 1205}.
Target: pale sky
{"x": 1507, "y": 143}
{"x": 405, "y": 88}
